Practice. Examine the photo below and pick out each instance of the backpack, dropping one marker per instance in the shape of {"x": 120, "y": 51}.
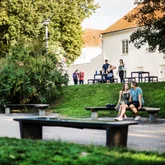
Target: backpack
{"x": 111, "y": 106}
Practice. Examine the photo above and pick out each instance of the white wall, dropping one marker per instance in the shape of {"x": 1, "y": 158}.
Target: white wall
{"x": 87, "y": 54}
{"x": 137, "y": 59}
{"x": 88, "y": 68}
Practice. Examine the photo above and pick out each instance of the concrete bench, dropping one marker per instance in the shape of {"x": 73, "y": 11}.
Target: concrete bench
{"x": 116, "y": 132}
{"x": 152, "y": 112}
{"x": 40, "y": 107}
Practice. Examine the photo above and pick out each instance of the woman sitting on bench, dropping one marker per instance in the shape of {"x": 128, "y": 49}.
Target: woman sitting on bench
{"x": 123, "y": 101}
{"x": 136, "y": 102}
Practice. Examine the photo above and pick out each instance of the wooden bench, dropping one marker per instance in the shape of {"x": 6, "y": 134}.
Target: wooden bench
{"x": 116, "y": 132}
{"x": 152, "y": 112}
{"x": 40, "y": 107}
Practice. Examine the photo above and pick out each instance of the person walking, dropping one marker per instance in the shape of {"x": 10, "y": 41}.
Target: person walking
{"x": 121, "y": 70}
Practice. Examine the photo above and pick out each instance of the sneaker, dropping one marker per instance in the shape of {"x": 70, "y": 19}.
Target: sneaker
{"x": 137, "y": 118}
{"x": 118, "y": 119}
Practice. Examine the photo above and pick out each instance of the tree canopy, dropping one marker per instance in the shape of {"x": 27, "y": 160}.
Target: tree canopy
{"x": 150, "y": 18}
{"x": 21, "y": 22}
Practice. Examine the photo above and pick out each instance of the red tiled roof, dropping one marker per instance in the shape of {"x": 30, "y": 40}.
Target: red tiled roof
{"x": 91, "y": 38}
{"x": 123, "y": 24}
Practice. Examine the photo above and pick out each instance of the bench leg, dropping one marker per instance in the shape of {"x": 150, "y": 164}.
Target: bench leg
{"x": 116, "y": 136}
{"x": 152, "y": 117}
{"x": 41, "y": 112}
{"x": 94, "y": 115}
{"x": 30, "y": 130}
{"x": 7, "y": 111}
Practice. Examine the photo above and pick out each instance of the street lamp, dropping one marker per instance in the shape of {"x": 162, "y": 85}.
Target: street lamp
{"x": 46, "y": 23}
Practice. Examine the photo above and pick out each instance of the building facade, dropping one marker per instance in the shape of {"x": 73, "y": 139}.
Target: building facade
{"x": 116, "y": 46}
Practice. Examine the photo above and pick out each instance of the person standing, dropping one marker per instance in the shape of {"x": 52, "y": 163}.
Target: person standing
{"x": 75, "y": 77}
{"x": 81, "y": 77}
{"x": 121, "y": 70}
{"x": 104, "y": 69}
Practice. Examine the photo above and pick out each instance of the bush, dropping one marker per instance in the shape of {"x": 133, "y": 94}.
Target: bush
{"x": 30, "y": 78}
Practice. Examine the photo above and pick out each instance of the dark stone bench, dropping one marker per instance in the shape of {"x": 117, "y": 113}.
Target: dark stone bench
{"x": 152, "y": 112}
{"x": 116, "y": 132}
{"x": 40, "y": 107}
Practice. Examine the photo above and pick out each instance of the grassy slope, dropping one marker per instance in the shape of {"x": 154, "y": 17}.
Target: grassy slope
{"x": 80, "y": 96}
{"x": 29, "y": 152}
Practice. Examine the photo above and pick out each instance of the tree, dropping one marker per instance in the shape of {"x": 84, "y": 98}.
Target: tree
{"x": 21, "y": 22}
{"x": 150, "y": 17}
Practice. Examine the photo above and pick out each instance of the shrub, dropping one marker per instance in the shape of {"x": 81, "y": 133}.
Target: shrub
{"x": 31, "y": 78}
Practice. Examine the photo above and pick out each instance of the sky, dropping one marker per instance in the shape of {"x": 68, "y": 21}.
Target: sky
{"x": 109, "y": 12}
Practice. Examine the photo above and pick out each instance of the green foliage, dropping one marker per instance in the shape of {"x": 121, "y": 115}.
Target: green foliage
{"x": 149, "y": 17}
{"x": 15, "y": 151}
{"x": 21, "y": 22}
{"x": 80, "y": 96}
{"x": 28, "y": 79}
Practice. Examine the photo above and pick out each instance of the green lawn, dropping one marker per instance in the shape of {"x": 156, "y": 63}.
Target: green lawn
{"x": 77, "y": 97}
{"x": 29, "y": 152}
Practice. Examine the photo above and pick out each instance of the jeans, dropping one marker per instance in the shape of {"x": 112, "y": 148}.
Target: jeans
{"x": 121, "y": 75}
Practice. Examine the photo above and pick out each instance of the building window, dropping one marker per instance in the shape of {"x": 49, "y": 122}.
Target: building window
{"x": 125, "y": 46}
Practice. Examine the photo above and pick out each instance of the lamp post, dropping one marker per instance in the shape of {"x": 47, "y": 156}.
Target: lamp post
{"x": 46, "y": 23}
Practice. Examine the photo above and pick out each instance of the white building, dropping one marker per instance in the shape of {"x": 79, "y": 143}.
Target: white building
{"x": 115, "y": 46}
{"x": 91, "y": 59}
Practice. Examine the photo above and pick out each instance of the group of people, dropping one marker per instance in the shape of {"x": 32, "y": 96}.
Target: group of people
{"x": 129, "y": 98}
{"x": 107, "y": 70}
{"x": 78, "y": 76}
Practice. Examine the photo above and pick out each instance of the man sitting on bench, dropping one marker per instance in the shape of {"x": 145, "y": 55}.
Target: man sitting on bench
{"x": 136, "y": 101}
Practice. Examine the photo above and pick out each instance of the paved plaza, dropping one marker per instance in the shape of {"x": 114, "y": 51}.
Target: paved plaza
{"x": 143, "y": 136}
